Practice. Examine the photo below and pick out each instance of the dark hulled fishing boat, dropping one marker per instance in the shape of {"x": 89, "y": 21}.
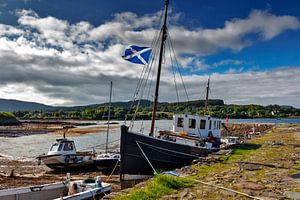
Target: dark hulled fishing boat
{"x": 192, "y": 136}
{"x": 141, "y": 154}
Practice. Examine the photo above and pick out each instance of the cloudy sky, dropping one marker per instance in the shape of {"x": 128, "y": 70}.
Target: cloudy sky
{"x": 64, "y": 52}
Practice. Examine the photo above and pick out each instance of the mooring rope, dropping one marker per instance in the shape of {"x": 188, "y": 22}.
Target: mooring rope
{"x": 146, "y": 157}
{"x": 224, "y": 188}
{"x": 112, "y": 171}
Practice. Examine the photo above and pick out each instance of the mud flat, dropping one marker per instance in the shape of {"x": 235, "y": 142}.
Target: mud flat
{"x": 27, "y": 172}
{"x": 266, "y": 167}
{"x": 48, "y": 126}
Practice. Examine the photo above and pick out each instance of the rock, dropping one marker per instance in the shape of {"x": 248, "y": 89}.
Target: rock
{"x": 250, "y": 185}
{"x": 267, "y": 198}
{"x": 270, "y": 194}
{"x": 292, "y": 195}
{"x": 226, "y": 193}
{"x": 250, "y": 167}
{"x": 184, "y": 193}
{"x": 204, "y": 193}
{"x": 172, "y": 196}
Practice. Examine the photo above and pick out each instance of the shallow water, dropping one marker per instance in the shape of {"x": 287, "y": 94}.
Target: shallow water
{"x": 34, "y": 145}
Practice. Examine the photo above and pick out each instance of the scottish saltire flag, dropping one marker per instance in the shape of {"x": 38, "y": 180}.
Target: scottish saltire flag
{"x": 138, "y": 55}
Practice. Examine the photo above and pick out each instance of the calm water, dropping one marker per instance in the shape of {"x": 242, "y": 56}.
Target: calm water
{"x": 33, "y": 145}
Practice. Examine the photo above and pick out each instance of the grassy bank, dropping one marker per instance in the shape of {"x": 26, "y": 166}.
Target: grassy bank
{"x": 264, "y": 167}
{"x": 7, "y": 119}
{"x": 157, "y": 187}
{"x": 7, "y": 115}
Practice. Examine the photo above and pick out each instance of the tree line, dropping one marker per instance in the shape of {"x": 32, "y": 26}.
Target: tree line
{"x": 217, "y": 108}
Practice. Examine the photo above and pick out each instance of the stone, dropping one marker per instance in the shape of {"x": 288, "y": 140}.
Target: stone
{"x": 292, "y": 195}
{"x": 250, "y": 185}
{"x": 183, "y": 193}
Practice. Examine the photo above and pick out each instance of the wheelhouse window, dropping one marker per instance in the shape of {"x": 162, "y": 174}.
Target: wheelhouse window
{"x": 68, "y": 146}
{"x": 192, "y": 123}
{"x": 202, "y": 124}
{"x": 54, "y": 147}
{"x": 209, "y": 124}
{"x": 60, "y": 146}
{"x": 219, "y": 124}
{"x": 180, "y": 122}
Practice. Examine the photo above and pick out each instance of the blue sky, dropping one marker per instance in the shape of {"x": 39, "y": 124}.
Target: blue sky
{"x": 233, "y": 42}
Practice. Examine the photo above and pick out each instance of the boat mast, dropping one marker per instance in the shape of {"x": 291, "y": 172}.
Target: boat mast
{"x": 108, "y": 117}
{"x": 163, "y": 39}
{"x": 206, "y": 98}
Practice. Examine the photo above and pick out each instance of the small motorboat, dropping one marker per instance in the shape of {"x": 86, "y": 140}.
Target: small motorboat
{"x": 230, "y": 141}
{"x": 85, "y": 189}
{"x": 63, "y": 155}
{"x": 107, "y": 161}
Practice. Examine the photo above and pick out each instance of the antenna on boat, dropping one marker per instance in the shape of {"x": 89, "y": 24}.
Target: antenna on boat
{"x": 163, "y": 39}
{"x": 206, "y": 98}
{"x": 108, "y": 117}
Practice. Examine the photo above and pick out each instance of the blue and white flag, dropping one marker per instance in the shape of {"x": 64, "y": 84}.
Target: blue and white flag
{"x": 138, "y": 55}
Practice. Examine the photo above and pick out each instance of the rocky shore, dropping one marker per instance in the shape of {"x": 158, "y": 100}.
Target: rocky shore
{"x": 266, "y": 167}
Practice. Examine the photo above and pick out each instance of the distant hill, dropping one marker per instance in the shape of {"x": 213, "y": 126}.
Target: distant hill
{"x": 120, "y": 104}
{"x": 10, "y": 105}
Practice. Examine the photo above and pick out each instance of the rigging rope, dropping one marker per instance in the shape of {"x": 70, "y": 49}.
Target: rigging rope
{"x": 99, "y": 145}
{"x": 144, "y": 76}
{"x": 176, "y": 60}
{"x": 173, "y": 70}
{"x": 142, "y": 91}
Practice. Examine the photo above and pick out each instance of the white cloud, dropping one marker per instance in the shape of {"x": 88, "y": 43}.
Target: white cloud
{"x": 228, "y": 62}
{"x": 280, "y": 86}
{"x": 52, "y": 61}
{"x": 234, "y": 34}
{"x": 232, "y": 70}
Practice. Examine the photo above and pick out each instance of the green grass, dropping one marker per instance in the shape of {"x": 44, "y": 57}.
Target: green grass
{"x": 157, "y": 187}
{"x": 239, "y": 152}
{"x": 7, "y": 115}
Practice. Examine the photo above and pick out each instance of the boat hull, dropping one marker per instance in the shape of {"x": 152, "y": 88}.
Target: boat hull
{"x": 53, "y": 191}
{"x": 46, "y": 192}
{"x": 58, "y": 162}
{"x": 139, "y": 152}
{"x": 106, "y": 164}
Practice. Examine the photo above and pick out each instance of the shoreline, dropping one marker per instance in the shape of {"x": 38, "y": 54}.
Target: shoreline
{"x": 75, "y": 127}
{"x": 40, "y": 127}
